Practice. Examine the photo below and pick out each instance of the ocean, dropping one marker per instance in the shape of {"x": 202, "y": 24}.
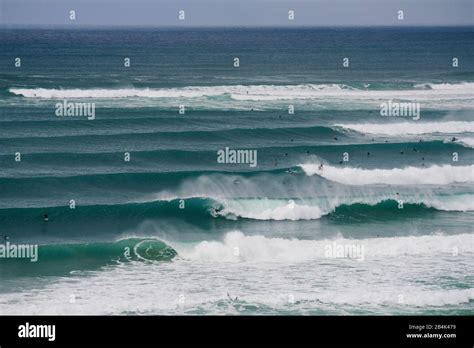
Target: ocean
{"x": 323, "y": 204}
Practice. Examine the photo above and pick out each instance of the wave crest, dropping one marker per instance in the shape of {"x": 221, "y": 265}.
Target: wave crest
{"x": 434, "y": 175}
{"x": 259, "y": 92}
{"x": 237, "y": 247}
{"x": 410, "y": 128}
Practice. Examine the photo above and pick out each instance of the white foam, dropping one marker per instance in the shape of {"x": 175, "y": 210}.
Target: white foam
{"x": 259, "y": 92}
{"x": 237, "y": 247}
{"x": 462, "y": 86}
{"x": 238, "y": 92}
{"x": 98, "y": 93}
{"x": 411, "y": 297}
{"x": 434, "y": 175}
{"x": 455, "y": 203}
{"x": 467, "y": 142}
{"x": 264, "y": 209}
{"x": 411, "y": 128}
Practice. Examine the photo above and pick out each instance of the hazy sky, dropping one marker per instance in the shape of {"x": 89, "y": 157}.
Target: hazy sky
{"x": 236, "y": 12}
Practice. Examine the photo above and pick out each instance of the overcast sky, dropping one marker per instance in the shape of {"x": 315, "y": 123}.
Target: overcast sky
{"x": 235, "y": 12}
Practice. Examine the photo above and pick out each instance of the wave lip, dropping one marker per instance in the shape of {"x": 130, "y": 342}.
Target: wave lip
{"x": 130, "y": 249}
{"x": 434, "y": 175}
{"x": 410, "y": 128}
{"x": 66, "y": 259}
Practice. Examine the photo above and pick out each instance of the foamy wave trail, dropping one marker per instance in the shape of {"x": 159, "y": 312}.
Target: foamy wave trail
{"x": 462, "y": 203}
{"x": 339, "y": 207}
{"x": 414, "y": 297}
{"x": 467, "y": 142}
{"x": 265, "y": 209}
{"x": 258, "y": 92}
{"x": 410, "y": 128}
{"x": 461, "y": 86}
{"x": 434, "y": 175}
{"x": 251, "y": 92}
{"x": 263, "y": 249}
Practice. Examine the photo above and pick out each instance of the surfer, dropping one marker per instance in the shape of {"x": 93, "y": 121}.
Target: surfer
{"x": 215, "y": 211}
{"x": 368, "y": 154}
{"x": 454, "y": 139}
{"x": 5, "y": 237}
{"x": 231, "y": 299}
{"x": 45, "y": 218}
{"x": 320, "y": 168}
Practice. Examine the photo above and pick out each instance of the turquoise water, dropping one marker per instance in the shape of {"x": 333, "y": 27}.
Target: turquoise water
{"x": 173, "y": 231}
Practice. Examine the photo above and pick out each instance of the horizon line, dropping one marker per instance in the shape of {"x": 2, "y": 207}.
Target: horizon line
{"x": 181, "y": 26}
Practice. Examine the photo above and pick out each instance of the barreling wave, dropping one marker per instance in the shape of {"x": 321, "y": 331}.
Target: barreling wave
{"x": 129, "y": 249}
{"x": 411, "y": 128}
{"x": 202, "y": 208}
{"x": 55, "y": 259}
{"x": 433, "y": 175}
